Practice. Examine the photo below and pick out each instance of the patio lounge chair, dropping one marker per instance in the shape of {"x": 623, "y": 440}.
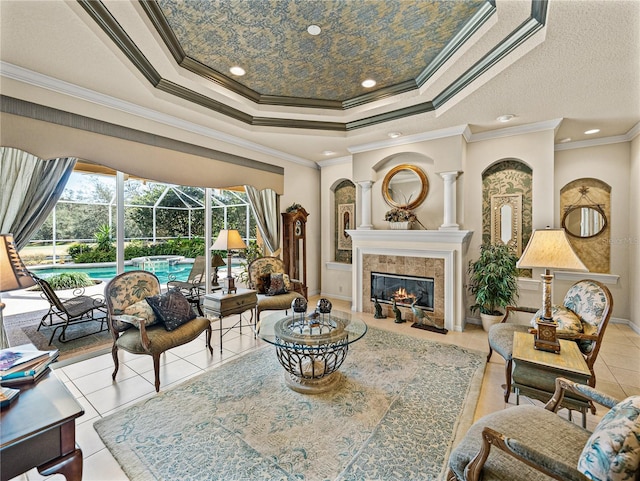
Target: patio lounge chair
{"x": 65, "y": 313}
{"x": 194, "y": 287}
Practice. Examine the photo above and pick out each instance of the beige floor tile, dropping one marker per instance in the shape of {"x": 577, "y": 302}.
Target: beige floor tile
{"x": 623, "y": 358}
{"x": 143, "y": 363}
{"x": 119, "y": 393}
{"x": 172, "y": 372}
{"x": 101, "y": 466}
{"x": 89, "y": 366}
{"x": 626, "y": 376}
{"x": 101, "y": 379}
{"x": 88, "y": 439}
{"x": 90, "y": 413}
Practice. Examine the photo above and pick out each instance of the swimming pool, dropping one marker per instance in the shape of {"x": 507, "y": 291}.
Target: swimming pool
{"x": 105, "y": 273}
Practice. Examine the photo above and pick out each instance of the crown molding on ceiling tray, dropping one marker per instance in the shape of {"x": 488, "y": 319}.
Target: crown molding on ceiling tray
{"x": 101, "y": 15}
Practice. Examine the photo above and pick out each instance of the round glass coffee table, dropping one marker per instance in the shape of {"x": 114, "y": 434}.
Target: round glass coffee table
{"x": 312, "y": 347}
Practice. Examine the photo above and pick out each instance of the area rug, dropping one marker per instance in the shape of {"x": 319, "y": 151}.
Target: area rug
{"x": 395, "y": 416}
{"x": 23, "y": 328}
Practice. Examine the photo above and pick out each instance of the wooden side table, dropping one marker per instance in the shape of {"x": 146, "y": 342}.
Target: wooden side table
{"x": 219, "y": 305}
{"x": 38, "y": 430}
{"x": 535, "y": 372}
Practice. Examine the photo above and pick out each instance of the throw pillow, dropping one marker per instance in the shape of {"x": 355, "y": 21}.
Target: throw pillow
{"x": 262, "y": 284}
{"x": 276, "y": 285}
{"x": 141, "y": 310}
{"x": 287, "y": 282}
{"x": 567, "y": 320}
{"x": 172, "y": 308}
{"x": 613, "y": 450}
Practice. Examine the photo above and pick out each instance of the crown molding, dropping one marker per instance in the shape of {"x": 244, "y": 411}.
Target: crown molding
{"x": 347, "y": 159}
{"x": 517, "y": 130}
{"x": 36, "y": 79}
{"x": 615, "y": 139}
{"x": 411, "y": 139}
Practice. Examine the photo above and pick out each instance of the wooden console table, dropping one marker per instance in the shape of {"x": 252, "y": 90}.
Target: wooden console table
{"x": 219, "y": 305}
{"x": 535, "y": 372}
{"x": 38, "y": 430}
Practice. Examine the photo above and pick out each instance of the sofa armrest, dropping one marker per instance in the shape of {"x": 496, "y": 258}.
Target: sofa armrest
{"x": 525, "y": 453}
{"x": 144, "y": 338}
{"x": 563, "y": 385}
{"x": 510, "y": 309}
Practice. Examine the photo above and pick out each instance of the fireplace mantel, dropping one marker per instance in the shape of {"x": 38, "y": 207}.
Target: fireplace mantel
{"x": 449, "y": 245}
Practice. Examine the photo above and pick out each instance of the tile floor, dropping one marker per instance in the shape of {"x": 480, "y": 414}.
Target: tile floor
{"x": 618, "y": 374}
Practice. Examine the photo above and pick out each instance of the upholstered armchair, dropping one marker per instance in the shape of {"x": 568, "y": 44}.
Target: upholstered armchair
{"x": 275, "y": 290}
{"x": 583, "y": 317}
{"x": 533, "y": 443}
{"x": 144, "y": 321}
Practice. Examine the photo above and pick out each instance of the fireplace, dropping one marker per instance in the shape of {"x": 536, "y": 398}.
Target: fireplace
{"x": 406, "y": 290}
{"x": 428, "y": 254}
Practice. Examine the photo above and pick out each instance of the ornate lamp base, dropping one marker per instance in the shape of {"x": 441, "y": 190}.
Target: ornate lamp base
{"x": 545, "y": 337}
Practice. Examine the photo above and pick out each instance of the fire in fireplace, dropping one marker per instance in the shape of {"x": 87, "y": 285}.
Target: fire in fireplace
{"x": 404, "y": 289}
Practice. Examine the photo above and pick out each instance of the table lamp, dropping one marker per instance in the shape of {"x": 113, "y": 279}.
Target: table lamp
{"x": 229, "y": 240}
{"x": 216, "y": 261}
{"x": 549, "y": 249}
{"x": 13, "y": 275}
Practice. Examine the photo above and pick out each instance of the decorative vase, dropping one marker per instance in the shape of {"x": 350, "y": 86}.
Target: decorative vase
{"x": 399, "y": 225}
{"x": 489, "y": 320}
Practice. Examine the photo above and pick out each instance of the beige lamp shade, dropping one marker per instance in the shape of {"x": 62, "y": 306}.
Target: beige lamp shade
{"x": 13, "y": 274}
{"x": 550, "y": 249}
{"x": 228, "y": 240}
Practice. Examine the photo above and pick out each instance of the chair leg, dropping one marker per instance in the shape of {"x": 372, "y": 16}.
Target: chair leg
{"x": 507, "y": 375}
{"x": 490, "y": 352}
{"x": 209, "y": 339}
{"x": 116, "y": 363}
{"x": 156, "y": 370}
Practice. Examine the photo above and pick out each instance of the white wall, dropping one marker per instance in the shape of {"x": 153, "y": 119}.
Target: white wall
{"x": 611, "y": 164}
{"x": 634, "y": 234}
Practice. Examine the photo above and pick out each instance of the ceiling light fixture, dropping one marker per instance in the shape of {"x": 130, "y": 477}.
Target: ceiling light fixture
{"x": 368, "y": 83}
{"x": 592, "y": 131}
{"x": 328, "y": 152}
{"x": 505, "y": 118}
{"x": 314, "y": 30}
{"x": 565, "y": 140}
{"x": 394, "y": 135}
{"x": 239, "y": 71}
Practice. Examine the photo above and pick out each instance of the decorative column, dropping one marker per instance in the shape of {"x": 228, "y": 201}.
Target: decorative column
{"x": 450, "y": 200}
{"x": 365, "y": 197}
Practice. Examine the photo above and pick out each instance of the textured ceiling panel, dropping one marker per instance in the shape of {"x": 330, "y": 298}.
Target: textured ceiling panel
{"x": 390, "y": 41}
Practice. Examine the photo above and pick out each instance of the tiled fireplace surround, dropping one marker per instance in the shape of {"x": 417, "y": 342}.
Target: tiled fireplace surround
{"x": 429, "y": 253}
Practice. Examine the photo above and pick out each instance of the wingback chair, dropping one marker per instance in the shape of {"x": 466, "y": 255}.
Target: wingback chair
{"x": 139, "y": 328}
{"x": 260, "y": 272}
{"x": 583, "y": 317}
{"x": 534, "y": 443}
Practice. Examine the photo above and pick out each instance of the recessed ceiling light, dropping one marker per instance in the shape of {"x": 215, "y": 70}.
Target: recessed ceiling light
{"x": 368, "y": 83}
{"x": 314, "y": 30}
{"x": 565, "y": 140}
{"x": 239, "y": 71}
{"x": 592, "y": 131}
{"x": 328, "y": 152}
{"x": 505, "y": 118}
{"x": 394, "y": 135}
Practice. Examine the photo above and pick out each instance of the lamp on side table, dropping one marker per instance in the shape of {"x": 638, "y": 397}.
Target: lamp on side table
{"x": 549, "y": 249}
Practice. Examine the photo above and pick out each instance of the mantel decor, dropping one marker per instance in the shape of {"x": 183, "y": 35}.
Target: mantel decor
{"x": 400, "y": 218}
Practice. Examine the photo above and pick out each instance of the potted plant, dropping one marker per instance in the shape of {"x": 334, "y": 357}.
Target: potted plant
{"x": 493, "y": 280}
{"x": 399, "y": 218}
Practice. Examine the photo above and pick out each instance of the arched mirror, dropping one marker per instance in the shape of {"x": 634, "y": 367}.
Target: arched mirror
{"x": 405, "y": 186}
{"x": 584, "y": 221}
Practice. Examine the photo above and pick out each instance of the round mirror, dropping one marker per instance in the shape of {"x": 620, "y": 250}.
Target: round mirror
{"x": 584, "y": 221}
{"x": 405, "y": 186}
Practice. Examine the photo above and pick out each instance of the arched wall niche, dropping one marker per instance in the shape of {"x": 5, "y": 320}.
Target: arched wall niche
{"x": 344, "y": 210}
{"x": 429, "y": 212}
{"x": 593, "y": 250}
{"x": 507, "y": 200}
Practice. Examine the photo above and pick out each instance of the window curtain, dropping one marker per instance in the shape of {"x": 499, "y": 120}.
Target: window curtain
{"x": 31, "y": 188}
{"x": 265, "y": 205}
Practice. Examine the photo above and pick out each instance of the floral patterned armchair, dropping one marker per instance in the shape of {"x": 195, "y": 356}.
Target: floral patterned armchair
{"x": 264, "y": 276}
{"x": 534, "y": 443}
{"x": 139, "y": 328}
{"x": 583, "y": 317}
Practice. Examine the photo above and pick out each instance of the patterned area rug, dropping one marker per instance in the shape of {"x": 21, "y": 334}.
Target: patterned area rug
{"x": 395, "y": 416}
{"x": 23, "y": 329}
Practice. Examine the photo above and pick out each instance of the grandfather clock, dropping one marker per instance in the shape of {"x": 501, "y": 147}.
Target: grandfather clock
{"x": 294, "y": 245}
